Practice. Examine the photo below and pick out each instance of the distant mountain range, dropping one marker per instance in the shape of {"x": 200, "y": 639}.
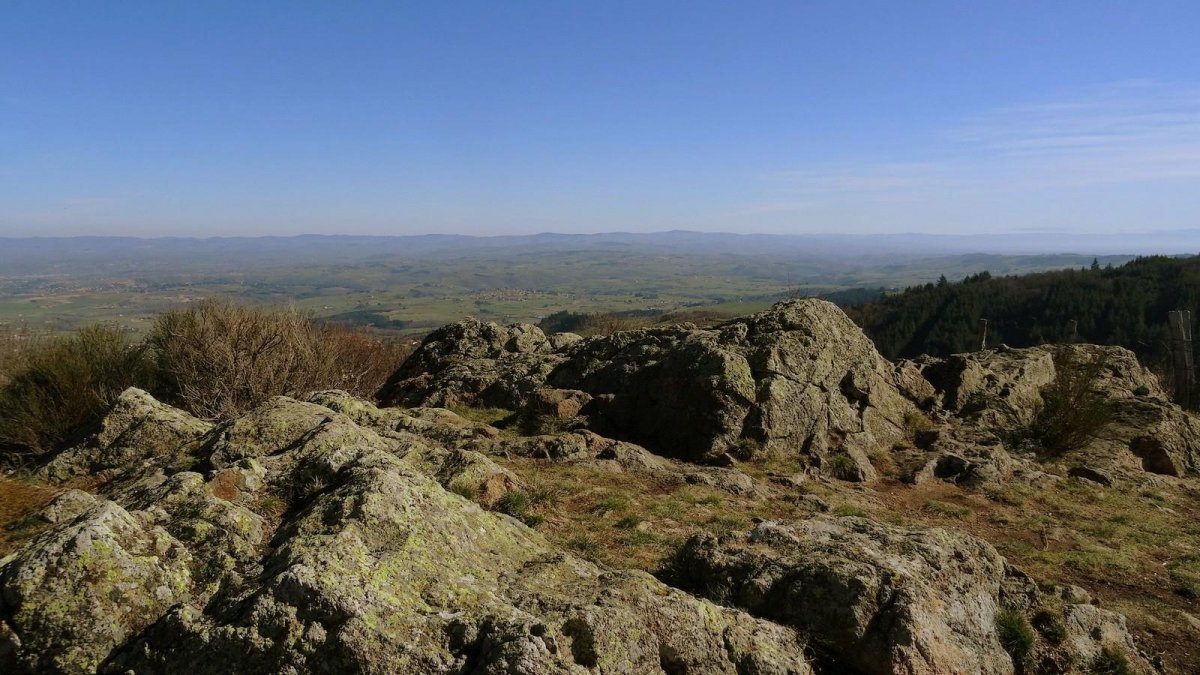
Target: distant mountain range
{"x": 79, "y": 255}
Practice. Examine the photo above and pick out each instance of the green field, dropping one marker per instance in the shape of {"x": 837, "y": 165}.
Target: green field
{"x": 409, "y": 295}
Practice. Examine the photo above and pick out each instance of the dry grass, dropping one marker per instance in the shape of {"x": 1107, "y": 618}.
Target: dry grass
{"x": 18, "y": 500}
{"x": 629, "y": 520}
{"x": 1135, "y": 549}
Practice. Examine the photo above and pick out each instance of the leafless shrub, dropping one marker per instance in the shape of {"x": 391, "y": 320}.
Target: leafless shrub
{"x": 219, "y": 359}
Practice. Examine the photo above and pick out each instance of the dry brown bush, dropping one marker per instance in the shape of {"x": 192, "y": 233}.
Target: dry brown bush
{"x": 55, "y": 386}
{"x": 218, "y": 359}
{"x": 17, "y": 344}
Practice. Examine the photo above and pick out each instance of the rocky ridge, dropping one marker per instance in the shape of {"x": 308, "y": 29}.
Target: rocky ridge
{"x": 327, "y": 534}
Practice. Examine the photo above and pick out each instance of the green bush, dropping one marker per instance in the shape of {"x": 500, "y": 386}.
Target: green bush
{"x": 1072, "y": 411}
{"x": 62, "y": 384}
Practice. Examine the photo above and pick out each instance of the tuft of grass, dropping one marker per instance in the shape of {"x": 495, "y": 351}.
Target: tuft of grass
{"x": 639, "y": 538}
{"x": 489, "y": 416}
{"x": 629, "y": 522}
{"x": 1050, "y": 627}
{"x": 1112, "y": 661}
{"x": 940, "y": 508}
{"x": 1016, "y": 636}
{"x": 849, "y": 510}
{"x": 1004, "y": 496}
{"x": 1185, "y": 578}
{"x": 915, "y": 422}
{"x": 746, "y": 449}
{"x": 840, "y": 466}
{"x": 670, "y": 507}
{"x": 725, "y": 523}
{"x": 610, "y": 503}
{"x": 465, "y": 490}
{"x": 584, "y": 545}
{"x": 269, "y": 506}
{"x": 519, "y": 505}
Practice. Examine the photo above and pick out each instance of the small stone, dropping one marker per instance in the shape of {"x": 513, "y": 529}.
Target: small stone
{"x": 1091, "y": 474}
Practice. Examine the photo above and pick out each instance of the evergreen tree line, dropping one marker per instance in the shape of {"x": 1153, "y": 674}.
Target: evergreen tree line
{"x": 1124, "y": 306}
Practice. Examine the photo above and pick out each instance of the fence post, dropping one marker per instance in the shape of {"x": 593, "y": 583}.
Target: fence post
{"x": 1180, "y": 322}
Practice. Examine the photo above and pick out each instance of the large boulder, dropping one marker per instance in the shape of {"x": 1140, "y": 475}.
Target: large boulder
{"x": 799, "y": 378}
{"x": 473, "y": 363}
{"x": 137, "y": 432}
{"x": 885, "y": 599}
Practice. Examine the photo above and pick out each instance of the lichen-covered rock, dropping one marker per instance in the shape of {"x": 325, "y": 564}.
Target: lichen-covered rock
{"x": 222, "y": 537}
{"x": 467, "y": 473}
{"x": 881, "y": 599}
{"x": 436, "y": 424}
{"x": 798, "y": 379}
{"x": 137, "y": 431}
{"x": 885, "y": 599}
{"x": 269, "y": 429}
{"x": 87, "y": 586}
{"x": 1000, "y": 391}
{"x": 371, "y": 566}
{"x": 472, "y": 362}
{"x": 384, "y": 571}
{"x": 594, "y": 450}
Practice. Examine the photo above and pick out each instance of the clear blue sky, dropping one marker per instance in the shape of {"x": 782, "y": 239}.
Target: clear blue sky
{"x": 198, "y": 118}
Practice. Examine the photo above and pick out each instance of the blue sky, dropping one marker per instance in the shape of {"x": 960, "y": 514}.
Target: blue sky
{"x": 207, "y": 118}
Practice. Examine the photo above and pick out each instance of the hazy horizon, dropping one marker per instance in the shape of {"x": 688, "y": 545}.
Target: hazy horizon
{"x": 144, "y": 119}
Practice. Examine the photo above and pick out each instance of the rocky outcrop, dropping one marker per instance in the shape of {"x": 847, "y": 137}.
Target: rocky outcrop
{"x": 136, "y": 432}
{"x": 474, "y": 363}
{"x": 317, "y": 545}
{"x": 325, "y": 534}
{"x": 799, "y": 380}
{"x": 886, "y": 599}
{"x": 999, "y": 392}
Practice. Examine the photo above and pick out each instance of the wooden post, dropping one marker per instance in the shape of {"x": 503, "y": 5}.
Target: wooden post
{"x": 1074, "y": 324}
{"x": 983, "y": 340}
{"x": 1181, "y": 352}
